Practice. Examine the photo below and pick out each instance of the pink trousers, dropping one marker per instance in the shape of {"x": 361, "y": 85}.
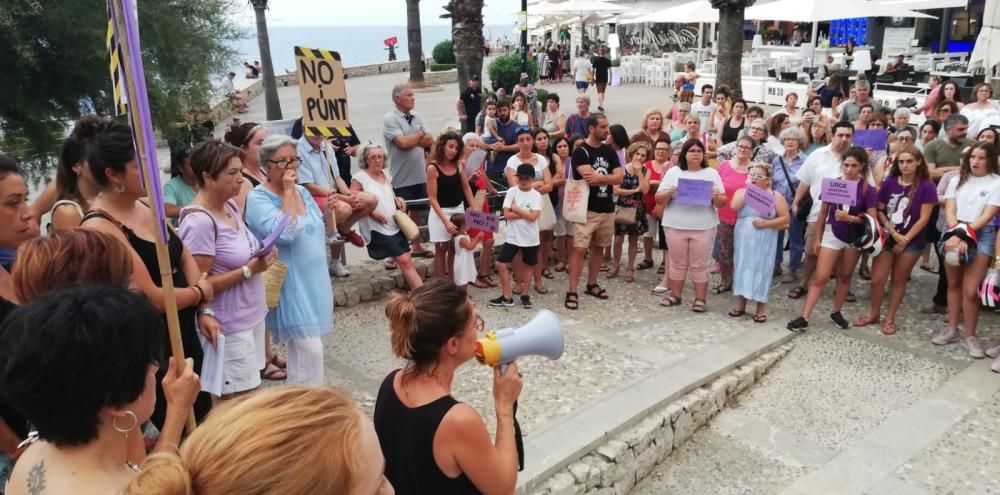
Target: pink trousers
{"x": 689, "y": 253}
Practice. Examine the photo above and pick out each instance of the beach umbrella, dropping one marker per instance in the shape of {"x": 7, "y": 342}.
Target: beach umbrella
{"x": 826, "y": 10}
{"x": 986, "y": 54}
{"x": 579, "y": 8}
{"x": 700, "y": 11}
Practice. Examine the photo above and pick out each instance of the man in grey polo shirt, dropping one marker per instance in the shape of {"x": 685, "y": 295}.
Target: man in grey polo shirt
{"x": 406, "y": 136}
{"x": 862, "y": 96}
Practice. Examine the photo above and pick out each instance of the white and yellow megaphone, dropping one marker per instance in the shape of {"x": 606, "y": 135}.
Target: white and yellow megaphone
{"x": 542, "y": 336}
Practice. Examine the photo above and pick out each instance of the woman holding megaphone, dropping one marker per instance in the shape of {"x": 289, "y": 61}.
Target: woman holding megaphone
{"x": 432, "y": 443}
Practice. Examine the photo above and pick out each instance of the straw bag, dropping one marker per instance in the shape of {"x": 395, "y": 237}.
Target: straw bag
{"x": 406, "y": 225}
{"x": 547, "y": 216}
{"x": 274, "y": 278}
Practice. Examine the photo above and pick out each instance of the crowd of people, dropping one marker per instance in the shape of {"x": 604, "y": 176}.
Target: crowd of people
{"x": 714, "y": 185}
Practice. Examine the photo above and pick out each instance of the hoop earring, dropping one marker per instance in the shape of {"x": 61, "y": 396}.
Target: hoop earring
{"x": 125, "y": 431}
{"x": 120, "y": 189}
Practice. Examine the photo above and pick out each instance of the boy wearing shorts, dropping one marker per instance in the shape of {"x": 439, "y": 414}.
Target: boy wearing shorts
{"x": 521, "y": 207}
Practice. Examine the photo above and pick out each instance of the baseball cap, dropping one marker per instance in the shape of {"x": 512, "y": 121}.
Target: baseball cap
{"x": 475, "y": 77}
{"x": 524, "y": 75}
{"x": 525, "y": 170}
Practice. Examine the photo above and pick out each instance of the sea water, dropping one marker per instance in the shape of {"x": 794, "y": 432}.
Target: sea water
{"x": 357, "y": 45}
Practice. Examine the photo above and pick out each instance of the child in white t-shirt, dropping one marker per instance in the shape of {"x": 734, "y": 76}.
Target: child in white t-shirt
{"x": 521, "y": 208}
{"x": 464, "y": 268}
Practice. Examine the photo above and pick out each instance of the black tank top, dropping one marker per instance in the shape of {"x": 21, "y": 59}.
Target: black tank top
{"x": 189, "y": 333}
{"x": 254, "y": 182}
{"x": 450, "y": 192}
{"x": 406, "y": 436}
{"x": 730, "y": 134}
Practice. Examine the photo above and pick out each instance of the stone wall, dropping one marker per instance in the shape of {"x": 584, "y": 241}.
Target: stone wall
{"x": 617, "y": 466}
{"x": 441, "y": 77}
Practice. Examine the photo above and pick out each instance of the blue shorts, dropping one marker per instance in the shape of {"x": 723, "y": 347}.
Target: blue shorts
{"x": 582, "y": 84}
{"x": 409, "y": 193}
{"x": 986, "y": 239}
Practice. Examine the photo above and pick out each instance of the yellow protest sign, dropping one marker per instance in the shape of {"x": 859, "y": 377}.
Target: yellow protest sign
{"x": 323, "y": 93}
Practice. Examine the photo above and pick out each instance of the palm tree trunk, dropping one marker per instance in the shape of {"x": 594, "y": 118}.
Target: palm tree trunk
{"x": 467, "y": 35}
{"x": 731, "y": 16}
{"x": 271, "y": 103}
{"x": 414, "y": 43}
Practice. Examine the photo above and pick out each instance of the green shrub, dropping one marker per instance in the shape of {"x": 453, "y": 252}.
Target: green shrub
{"x": 505, "y": 71}
{"x": 441, "y": 67}
{"x": 444, "y": 52}
{"x": 541, "y": 95}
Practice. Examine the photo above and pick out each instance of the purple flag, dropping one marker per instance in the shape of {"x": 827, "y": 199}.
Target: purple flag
{"x": 139, "y": 114}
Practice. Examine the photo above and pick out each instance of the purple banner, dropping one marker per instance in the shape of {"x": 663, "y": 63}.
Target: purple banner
{"x": 873, "y": 139}
{"x": 760, "y": 200}
{"x": 138, "y": 110}
{"x": 481, "y": 221}
{"x": 694, "y": 192}
{"x": 839, "y": 191}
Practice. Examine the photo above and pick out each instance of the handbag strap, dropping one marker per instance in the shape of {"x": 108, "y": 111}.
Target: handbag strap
{"x": 781, "y": 160}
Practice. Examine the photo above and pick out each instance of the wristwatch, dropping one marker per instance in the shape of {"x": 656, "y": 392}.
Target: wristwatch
{"x": 246, "y": 272}
{"x": 206, "y": 312}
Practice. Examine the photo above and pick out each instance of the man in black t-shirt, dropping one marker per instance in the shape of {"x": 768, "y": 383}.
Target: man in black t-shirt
{"x": 469, "y": 104}
{"x": 597, "y": 164}
{"x": 602, "y": 74}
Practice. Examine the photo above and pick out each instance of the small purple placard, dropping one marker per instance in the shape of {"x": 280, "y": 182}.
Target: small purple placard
{"x": 479, "y": 220}
{"x": 694, "y": 192}
{"x": 874, "y": 139}
{"x": 760, "y": 200}
{"x": 839, "y": 191}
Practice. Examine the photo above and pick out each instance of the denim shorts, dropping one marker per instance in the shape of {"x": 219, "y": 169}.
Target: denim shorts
{"x": 582, "y": 84}
{"x": 986, "y": 239}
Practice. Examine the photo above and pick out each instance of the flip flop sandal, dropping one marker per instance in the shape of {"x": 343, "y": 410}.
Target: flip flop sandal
{"x": 424, "y": 254}
{"x": 670, "y": 300}
{"x": 759, "y": 318}
{"x": 699, "y": 306}
{"x": 644, "y": 265}
{"x": 595, "y": 290}
{"x": 797, "y": 292}
{"x": 629, "y": 276}
{"x": 390, "y": 265}
{"x": 560, "y": 267}
{"x": 572, "y": 301}
{"x": 865, "y": 321}
{"x": 736, "y": 312}
{"x": 661, "y": 270}
{"x": 541, "y": 290}
{"x": 547, "y": 273}
{"x": 273, "y": 373}
{"x": 479, "y": 284}
{"x": 888, "y": 328}
{"x": 851, "y": 297}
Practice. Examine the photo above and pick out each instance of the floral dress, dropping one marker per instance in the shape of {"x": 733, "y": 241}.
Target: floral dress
{"x": 631, "y": 181}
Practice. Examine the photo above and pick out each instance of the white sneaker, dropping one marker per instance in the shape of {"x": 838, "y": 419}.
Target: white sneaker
{"x": 975, "y": 349}
{"x": 996, "y": 365}
{"x": 994, "y": 352}
{"x": 339, "y": 270}
{"x": 946, "y": 336}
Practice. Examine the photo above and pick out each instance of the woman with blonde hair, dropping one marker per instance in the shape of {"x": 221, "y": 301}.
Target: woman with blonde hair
{"x": 433, "y": 443}
{"x": 650, "y": 129}
{"x": 289, "y": 440}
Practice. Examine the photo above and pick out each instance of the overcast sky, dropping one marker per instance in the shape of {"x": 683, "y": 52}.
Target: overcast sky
{"x": 370, "y": 12}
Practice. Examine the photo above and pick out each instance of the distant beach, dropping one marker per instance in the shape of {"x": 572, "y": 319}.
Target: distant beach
{"x": 357, "y": 45}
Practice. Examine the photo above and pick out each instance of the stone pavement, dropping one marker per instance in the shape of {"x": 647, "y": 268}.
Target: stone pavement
{"x": 854, "y": 412}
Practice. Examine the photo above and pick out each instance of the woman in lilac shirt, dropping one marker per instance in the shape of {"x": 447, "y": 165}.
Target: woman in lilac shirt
{"x": 222, "y": 245}
{"x": 831, "y": 243}
{"x": 905, "y": 202}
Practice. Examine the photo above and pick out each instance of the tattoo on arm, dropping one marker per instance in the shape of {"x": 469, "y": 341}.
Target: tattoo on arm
{"x": 36, "y": 478}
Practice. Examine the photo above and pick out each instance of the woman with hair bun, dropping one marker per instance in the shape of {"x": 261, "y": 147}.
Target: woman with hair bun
{"x": 69, "y": 197}
{"x": 289, "y": 440}
{"x": 248, "y": 137}
{"x": 432, "y": 443}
